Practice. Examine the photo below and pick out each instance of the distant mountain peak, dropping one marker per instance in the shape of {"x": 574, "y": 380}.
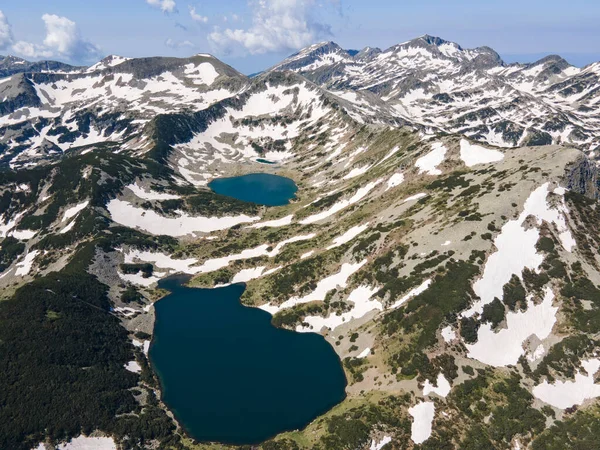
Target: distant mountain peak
{"x": 433, "y": 40}
{"x": 553, "y": 59}
{"x": 109, "y": 61}
{"x": 367, "y": 52}
{"x": 323, "y": 53}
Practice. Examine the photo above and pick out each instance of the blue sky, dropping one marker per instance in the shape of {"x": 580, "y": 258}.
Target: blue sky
{"x": 253, "y": 34}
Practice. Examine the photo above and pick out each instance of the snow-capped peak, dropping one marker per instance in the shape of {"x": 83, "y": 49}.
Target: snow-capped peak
{"x": 109, "y": 61}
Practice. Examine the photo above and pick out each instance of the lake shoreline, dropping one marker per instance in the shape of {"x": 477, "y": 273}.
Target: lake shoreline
{"x": 176, "y": 284}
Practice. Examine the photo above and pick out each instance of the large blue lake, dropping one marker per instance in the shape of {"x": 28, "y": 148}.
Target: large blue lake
{"x": 260, "y": 188}
{"x": 229, "y": 376}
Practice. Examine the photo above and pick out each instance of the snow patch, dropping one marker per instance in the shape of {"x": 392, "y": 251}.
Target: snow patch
{"x": 422, "y": 414}
{"x": 415, "y": 197}
{"x": 448, "y": 334}
{"x": 287, "y": 220}
{"x": 366, "y": 352}
{"x": 379, "y": 445}
{"x": 339, "y": 206}
{"x": 204, "y": 73}
{"x": 348, "y": 236}
{"x": 24, "y": 267}
{"x": 412, "y": 293}
{"x": 307, "y": 254}
{"x": 133, "y": 366}
{"x": 358, "y": 171}
{"x": 506, "y": 346}
{"x": 516, "y": 248}
{"x": 150, "y": 221}
{"x": 89, "y": 443}
{"x": 565, "y": 394}
{"x": 337, "y": 280}
{"x": 428, "y": 163}
{"x": 360, "y": 297}
{"x": 75, "y": 210}
{"x": 150, "y": 195}
{"x": 472, "y": 154}
{"x": 23, "y": 235}
{"x": 395, "y": 180}
{"x": 442, "y": 389}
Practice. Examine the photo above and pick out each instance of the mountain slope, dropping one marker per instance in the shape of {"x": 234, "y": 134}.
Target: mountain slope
{"x": 47, "y": 114}
{"x": 440, "y": 86}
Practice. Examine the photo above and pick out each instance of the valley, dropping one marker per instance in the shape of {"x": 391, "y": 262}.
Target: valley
{"x": 393, "y": 249}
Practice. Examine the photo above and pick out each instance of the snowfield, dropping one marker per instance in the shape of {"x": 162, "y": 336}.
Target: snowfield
{"x": 360, "y": 297}
{"x": 472, "y": 154}
{"x": 339, "y": 279}
{"x": 74, "y": 211}
{"x": 89, "y": 443}
{"x": 428, "y": 163}
{"x": 342, "y": 204}
{"x": 506, "y": 346}
{"x": 442, "y": 389}
{"x": 287, "y": 220}
{"x": 348, "y": 236}
{"x": 150, "y": 221}
{"x": 24, "y": 267}
{"x": 379, "y": 445}
{"x": 150, "y": 195}
{"x": 516, "y": 248}
{"x": 412, "y": 293}
{"x": 415, "y": 197}
{"x": 448, "y": 334}
{"x": 133, "y": 366}
{"x": 422, "y": 414}
{"x": 395, "y": 180}
{"x": 189, "y": 266}
{"x": 565, "y": 394}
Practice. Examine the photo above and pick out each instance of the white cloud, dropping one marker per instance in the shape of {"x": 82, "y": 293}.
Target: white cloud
{"x": 178, "y": 44}
{"x": 62, "y": 39}
{"x": 197, "y": 17}
{"x": 6, "y": 36}
{"x": 167, "y": 6}
{"x": 29, "y": 50}
{"x": 277, "y": 25}
{"x": 233, "y": 18}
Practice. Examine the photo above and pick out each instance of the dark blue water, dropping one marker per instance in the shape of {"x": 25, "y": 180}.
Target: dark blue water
{"x": 264, "y": 161}
{"x": 260, "y": 188}
{"x": 230, "y": 376}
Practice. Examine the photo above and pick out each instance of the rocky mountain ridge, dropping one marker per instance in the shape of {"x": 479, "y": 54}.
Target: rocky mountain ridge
{"x": 442, "y": 87}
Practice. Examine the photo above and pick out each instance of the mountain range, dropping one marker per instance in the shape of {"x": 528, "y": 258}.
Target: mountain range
{"x": 444, "y": 240}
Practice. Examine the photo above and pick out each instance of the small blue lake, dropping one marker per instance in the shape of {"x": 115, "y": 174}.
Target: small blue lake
{"x": 261, "y": 188}
{"x": 229, "y": 376}
{"x": 265, "y": 161}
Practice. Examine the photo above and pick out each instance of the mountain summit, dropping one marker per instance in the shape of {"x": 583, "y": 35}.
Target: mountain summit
{"x": 438, "y": 85}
